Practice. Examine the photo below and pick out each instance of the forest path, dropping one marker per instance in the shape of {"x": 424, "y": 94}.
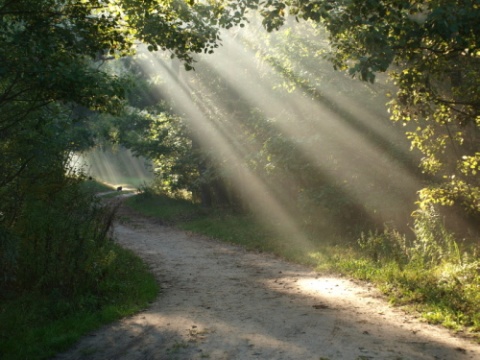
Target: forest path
{"x": 219, "y": 301}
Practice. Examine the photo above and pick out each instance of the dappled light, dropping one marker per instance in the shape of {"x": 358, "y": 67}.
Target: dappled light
{"x": 265, "y": 308}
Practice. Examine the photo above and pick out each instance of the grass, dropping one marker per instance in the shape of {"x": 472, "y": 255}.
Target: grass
{"x": 128, "y": 181}
{"x": 96, "y": 186}
{"x": 35, "y": 326}
{"x": 162, "y": 207}
{"x": 442, "y": 295}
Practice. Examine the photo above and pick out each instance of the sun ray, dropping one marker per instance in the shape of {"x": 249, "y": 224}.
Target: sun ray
{"x": 337, "y": 132}
{"x": 210, "y": 136}
{"x": 350, "y": 142}
{"x": 115, "y": 168}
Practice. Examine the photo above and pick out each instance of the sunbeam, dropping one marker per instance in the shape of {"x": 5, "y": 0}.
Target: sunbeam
{"x": 210, "y": 136}
{"x": 362, "y": 166}
{"x": 348, "y": 144}
{"x": 115, "y": 167}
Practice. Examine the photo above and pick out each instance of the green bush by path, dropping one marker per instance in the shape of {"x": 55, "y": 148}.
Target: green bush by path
{"x": 94, "y": 186}
{"x": 61, "y": 275}
{"x": 36, "y": 326}
{"x": 168, "y": 209}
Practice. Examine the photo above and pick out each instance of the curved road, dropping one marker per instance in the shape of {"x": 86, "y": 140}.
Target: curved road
{"x": 221, "y": 302}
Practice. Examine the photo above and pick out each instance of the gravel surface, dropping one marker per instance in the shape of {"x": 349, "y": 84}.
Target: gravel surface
{"x": 221, "y": 302}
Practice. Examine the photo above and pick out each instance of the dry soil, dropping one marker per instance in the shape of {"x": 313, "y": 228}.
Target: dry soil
{"x": 219, "y": 301}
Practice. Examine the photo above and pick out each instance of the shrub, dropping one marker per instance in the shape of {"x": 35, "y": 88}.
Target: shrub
{"x": 432, "y": 244}
{"x": 59, "y": 243}
{"x": 386, "y": 246}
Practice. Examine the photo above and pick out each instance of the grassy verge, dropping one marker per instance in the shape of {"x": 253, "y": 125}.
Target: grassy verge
{"x": 174, "y": 211}
{"x": 73, "y": 282}
{"x": 446, "y": 292}
{"x": 94, "y": 186}
{"x": 34, "y": 326}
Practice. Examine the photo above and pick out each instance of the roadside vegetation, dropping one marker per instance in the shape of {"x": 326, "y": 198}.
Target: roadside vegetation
{"x": 263, "y": 126}
{"x": 429, "y": 271}
{"x": 67, "y": 277}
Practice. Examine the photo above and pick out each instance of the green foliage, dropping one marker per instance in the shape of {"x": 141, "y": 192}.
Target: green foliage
{"x": 384, "y": 247}
{"x": 430, "y": 52}
{"x": 288, "y": 147}
{"x": 53, "y": 87}
{"x": 52, "y": 234}
{"x": 433, "y": 244}
{"x": 68, "y": 256}
{"x": 432, "y": 272}
{"x": 435, "y": 49}
{"x": 92, "y": 186}
{"x": 49, "y": 84}
{"x": 37, "y": 326}
{"x": 235, "y": 229}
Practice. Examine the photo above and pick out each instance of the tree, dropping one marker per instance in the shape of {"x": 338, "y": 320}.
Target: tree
{"x": 431, "y": 51}
{"x": 51, "y": 82}
{"x": 51, "y": 49}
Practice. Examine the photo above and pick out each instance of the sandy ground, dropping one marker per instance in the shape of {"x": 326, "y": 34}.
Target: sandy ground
{"x": 221, "y": 302}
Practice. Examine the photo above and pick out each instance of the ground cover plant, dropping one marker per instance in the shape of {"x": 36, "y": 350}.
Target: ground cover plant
{"x": 171, "y": 210}
{"x": 94, "y": 186}
{"x": 65, "y": 277}
{"x": 37, "y": 326}
{"x": 430, "y": 273}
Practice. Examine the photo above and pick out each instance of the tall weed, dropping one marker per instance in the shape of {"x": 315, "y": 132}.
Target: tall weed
{"x": 63, "y": 241}
{"x": 433, "y": 243}
{"x": 385, "y": 246}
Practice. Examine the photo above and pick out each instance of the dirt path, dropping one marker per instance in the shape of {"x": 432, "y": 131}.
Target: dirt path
{"x": 221, "y": 302}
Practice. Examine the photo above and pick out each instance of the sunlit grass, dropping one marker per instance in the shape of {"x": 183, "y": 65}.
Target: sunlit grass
{"x": 451, "y": 303}
{"x": 34, "y": 326}
{"x": 95, "y": 186}
{"x": 235, "y": 229}
{"x": 165, "y": 208}
{"x": 437, "y": 293}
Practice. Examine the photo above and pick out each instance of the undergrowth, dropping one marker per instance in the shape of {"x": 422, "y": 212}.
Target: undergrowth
{"x": 60, "y": 274}
{"x": 93, "y": 186}
{"x": 36, "y": 325}
{"x": 431, "y": 272}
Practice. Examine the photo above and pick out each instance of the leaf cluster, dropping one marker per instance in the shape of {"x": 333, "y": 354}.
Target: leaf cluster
{"x": 431, "y": 52}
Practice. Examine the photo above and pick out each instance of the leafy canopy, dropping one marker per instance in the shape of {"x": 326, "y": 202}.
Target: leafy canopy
{"x": 431, "y": 51}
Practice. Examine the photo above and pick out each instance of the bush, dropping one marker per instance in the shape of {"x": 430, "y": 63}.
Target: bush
{"x": 432, "y": 244}
{"x": 432, "y": 269}
{"x": 384, "y": 247}
{"x": 59, "y": 243}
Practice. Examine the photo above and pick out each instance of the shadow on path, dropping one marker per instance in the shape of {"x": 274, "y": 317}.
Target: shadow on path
{"x": 221, "y": 302}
